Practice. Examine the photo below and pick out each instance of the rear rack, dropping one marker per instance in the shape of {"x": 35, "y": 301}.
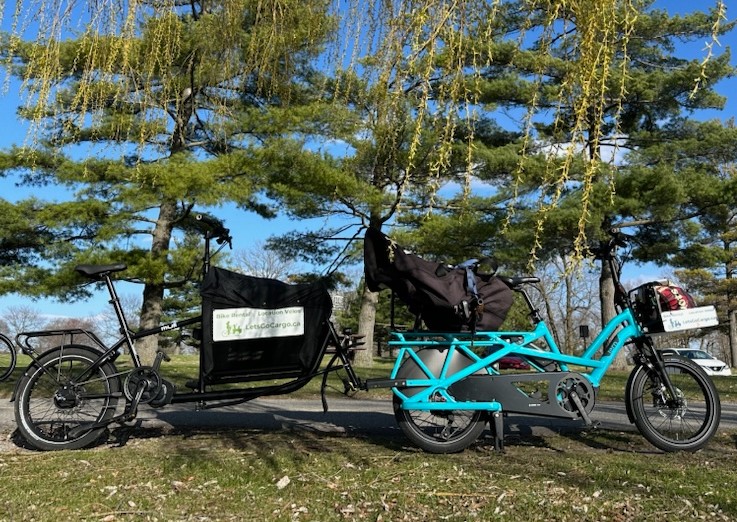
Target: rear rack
{"x": 67, "y": 335}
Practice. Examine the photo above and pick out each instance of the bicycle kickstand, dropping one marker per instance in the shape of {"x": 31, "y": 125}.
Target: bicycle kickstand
{"x": 497, "y": 426}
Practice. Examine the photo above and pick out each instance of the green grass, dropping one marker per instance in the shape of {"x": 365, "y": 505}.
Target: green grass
{"x": 248, "y": 475}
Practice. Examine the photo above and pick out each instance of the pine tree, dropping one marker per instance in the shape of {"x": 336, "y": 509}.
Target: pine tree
{"x": 683, "y": 191}
{"x": 637, "y": 95}
{"x": 182, "y": 123}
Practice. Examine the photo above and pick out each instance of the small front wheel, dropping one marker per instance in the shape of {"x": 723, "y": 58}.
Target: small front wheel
{"x": 684, "y": 422}
{"x": 64, "y": 397}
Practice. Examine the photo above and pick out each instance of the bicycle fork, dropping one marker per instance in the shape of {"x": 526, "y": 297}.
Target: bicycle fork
{"x": 651, "y": 360}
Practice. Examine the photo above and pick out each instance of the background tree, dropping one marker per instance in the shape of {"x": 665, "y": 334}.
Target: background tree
{"x": 259, "y": 261}
{"x": 383, "y": 166}
{"x": 688, "y": 195}
{"x": 19, "y": 319}
{"x": 644, "y": 95}
{"x": 185, "y": 130}
{"x": 429, "y": 66}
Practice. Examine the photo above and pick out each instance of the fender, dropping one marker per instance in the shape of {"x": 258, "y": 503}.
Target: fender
{"x": 628, "y": 392}
{"x": 37, "y": 361}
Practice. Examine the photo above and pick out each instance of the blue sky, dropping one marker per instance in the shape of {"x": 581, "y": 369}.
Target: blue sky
{"x": 248, "y": 228}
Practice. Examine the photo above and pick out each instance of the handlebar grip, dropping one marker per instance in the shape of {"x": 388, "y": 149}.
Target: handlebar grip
{"x": 619, "y": 238}
{"x": 210, "y": 221}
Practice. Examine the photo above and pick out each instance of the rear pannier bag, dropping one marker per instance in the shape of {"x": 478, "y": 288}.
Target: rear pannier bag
{"x": 255, "y": 328}
{"x": 439, "y": 294}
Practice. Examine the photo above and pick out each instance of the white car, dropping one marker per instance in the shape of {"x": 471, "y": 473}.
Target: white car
{"x": 707, "y": 361}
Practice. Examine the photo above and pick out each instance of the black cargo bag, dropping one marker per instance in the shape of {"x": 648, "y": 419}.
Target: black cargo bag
{"x": 442, "y": 296}
{"x": 255, "y": 328}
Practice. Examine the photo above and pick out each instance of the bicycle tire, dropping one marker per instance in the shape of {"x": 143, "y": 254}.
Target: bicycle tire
{"x": 684, "y": 424}
{"x": 444, "y": 431}
{"x": 49, "y": 404}
{"x": 450, "y": 431}
{"x": 8, "y": 358}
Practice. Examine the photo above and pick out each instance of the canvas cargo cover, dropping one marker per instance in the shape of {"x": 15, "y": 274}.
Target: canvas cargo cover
{"x": 257, "y": 328}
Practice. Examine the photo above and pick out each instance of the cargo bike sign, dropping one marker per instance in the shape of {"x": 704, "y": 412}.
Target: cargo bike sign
{"x": 689, "y": 318}
{"x": 235, "y": 324}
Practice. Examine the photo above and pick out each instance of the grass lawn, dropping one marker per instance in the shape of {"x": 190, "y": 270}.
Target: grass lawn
{"x": 299, "y": 475}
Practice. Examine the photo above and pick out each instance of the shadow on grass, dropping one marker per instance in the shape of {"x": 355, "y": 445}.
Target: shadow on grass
{"x": 315, "y": 438}
{"x": 240, "y": 430}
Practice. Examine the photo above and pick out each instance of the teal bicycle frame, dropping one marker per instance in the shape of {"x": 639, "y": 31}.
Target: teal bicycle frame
{"x": 616, "y": 334}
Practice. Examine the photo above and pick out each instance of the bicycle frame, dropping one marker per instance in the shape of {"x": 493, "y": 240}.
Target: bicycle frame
{"x": 616, "y": 334}
{"x": 619, "y": 331}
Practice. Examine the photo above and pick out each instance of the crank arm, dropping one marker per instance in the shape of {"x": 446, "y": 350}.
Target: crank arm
{"x": 579, "y": 406}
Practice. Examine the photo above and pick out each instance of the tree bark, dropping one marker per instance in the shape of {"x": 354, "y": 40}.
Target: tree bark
{"x": 608, "y": 311}
{"x": 733, "y": 337}
{"x": 153, "y": 290}
{"x": 366, "y": 322}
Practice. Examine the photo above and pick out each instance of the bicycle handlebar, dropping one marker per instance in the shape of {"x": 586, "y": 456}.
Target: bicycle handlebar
{"x": 606, "y": 248}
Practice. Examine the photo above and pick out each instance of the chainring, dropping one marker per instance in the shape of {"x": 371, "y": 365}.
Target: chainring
{"x": 144, "y": 376}
{"x": 583, "y": 388}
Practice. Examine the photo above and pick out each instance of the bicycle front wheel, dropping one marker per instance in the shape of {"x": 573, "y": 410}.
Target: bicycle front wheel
{"x": 7, "y": 357}
{"x": 62, "y": 399}
{"x": 685, "y": 422}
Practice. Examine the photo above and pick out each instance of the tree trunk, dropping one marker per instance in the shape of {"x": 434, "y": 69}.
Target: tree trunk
{"x": 366, "y": 322}
{"x": 608, "y": 311}
{"x": 733, "y": 337}
{"x": 153, "y": 291}
{"x": 606, "y": 294}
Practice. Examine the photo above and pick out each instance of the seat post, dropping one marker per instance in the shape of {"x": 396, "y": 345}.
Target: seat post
{"x": 534, "y": 312}
{"x": 124, "y": 330}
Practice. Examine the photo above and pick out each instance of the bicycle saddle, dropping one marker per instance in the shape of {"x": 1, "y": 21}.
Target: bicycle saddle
{"x": 96, "y": 271}
{"x": 516, "y": 282}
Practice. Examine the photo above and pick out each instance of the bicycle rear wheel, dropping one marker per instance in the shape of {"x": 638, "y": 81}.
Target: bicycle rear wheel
{"x": 440, "y": 431}
{"x": 682, "y": 423}
{"x": 62, "y": 395}
{"x": 437, "y": 431}
{"x": 7, "y": 357}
